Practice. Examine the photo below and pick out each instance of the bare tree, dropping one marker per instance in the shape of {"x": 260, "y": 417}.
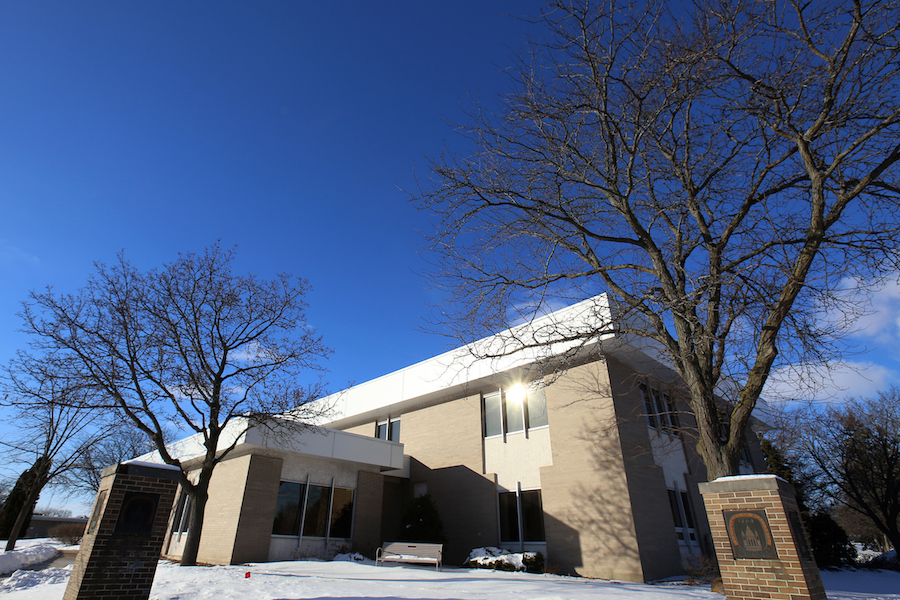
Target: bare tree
{"x": 188, "y": 347}
{"x": 856, "y": 450}
{"x": 50, "y": 411}
{"x": 719, "y": 173}
{"x": 124, "y": 443}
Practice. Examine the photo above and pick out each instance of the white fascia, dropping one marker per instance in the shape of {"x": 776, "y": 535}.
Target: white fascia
{"x": 281, "y": 436}
{"x": 563, "y": 332}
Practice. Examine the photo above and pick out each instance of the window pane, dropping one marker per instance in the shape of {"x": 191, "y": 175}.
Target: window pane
{"x": 673, "y": 414}
{"x": 687, "y": 510}
{"x": 533, "y": 516}
{"x": 316, "y": 511}
{"x": 660, "y": 409}
{"x": 676, "y": 512}
{"x": 287, "y": 511}
{"x": 492, "y": 422}
{"x": 509, "y": 517}
{"x": 179, "y": 512}
{"x": 515, "y": 415}
{"x": 648, "y": 406}
{"x": 394, "y": 431}
{"x": 381, "y": 431}
{"x": 341, "y": 513}
{"x": 537, "y": 407}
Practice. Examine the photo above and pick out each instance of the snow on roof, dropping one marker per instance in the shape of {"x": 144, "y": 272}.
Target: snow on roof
{"x": 513, "y": 348}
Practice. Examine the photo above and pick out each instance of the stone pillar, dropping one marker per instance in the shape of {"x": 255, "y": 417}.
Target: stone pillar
{"x": 761, "y": 546}
{"x": 121, "y": 545}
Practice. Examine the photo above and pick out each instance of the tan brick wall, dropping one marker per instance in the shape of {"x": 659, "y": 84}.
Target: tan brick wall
{"x": 367, "y": 429}
{"x": 446, "y": 445}
{"x": 587, "y": 504}
{"x": 367, "y": 536}
{"x": 445, "y": 435}
{"x": 653, "y": 524}
{"x": 254, "y": 531}
{"x": 786, "y": 578}
{"x": 223, "y": 511}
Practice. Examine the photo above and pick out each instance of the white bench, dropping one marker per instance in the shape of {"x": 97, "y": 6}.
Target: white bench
{"x": 411, "y": 553}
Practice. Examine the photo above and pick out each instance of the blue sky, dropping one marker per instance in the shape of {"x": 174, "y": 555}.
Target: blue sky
{"x": 288, "y": 129}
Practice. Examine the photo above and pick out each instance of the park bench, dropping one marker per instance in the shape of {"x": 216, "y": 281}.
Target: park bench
{"x": 411, "y": 553}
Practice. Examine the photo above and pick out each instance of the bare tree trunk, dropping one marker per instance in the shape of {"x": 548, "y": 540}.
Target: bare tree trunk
{"x": 27, "y": 507}
{"x": 199, "y": 496}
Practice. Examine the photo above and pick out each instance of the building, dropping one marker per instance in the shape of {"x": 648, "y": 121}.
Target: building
{"x": 580, "y": 450}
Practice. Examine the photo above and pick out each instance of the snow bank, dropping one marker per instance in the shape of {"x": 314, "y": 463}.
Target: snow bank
{"x": 24, "y": 580}
{"x": 31, "y": 555}
{"x": 354, "y": 557}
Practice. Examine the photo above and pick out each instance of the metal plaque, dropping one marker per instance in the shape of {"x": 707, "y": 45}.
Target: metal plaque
{"x": 749, "y": 534}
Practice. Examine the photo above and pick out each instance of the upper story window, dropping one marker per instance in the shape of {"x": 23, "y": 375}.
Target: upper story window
{"x": 388, "y": 430}
{"x": 513, "y": 410}
{"x": 660, "y": 409}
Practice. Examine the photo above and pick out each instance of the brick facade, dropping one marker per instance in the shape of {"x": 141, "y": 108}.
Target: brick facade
{"x": 793, "y": 575}
{"x": 116, "y": 561}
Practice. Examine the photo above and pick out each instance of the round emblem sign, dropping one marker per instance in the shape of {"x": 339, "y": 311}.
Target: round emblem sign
{"x": 749, "y": 534}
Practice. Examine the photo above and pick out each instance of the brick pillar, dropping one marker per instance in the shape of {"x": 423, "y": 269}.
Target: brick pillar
{"x": 762, "y": 549}
{"x": 123, "y": 539}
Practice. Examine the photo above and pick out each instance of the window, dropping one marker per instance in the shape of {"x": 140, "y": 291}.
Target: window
{"x": 288, "y": 509}
{"x": 182, "y": 514}
{"x": 528, "y": 505}
{"x": 514, "y": 410}
{"x": 316, "y": 511}
{"x": 660, "y": 410}
{"x": 682, "y": 515}
{"x": 341, "y": 513}
{"x": 388, "y": 430}
{"x": 537, "y": 408}
{"x": 326, "y": 514}
{"x": 493, "y": 419}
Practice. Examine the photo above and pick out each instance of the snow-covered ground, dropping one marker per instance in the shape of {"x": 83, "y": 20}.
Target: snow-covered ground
{"x": 354, "y": 581}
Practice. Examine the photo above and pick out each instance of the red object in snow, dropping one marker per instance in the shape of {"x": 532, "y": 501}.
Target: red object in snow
{"x": 247, "y": 575}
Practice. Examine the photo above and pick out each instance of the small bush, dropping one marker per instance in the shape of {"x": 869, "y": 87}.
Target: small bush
{"x": 700, "y": 569}
{"x": 421, "y": 522}
{"x": 504, "y": 560}
{"x": 888, "y": 561}
{"x": 68, "y": 533}
{"x": 830, "y": 544}
{"x": 534, "y": 562}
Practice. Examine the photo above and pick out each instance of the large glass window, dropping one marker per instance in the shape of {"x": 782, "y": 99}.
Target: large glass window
{"x": 537, "y": 408}
{"x": 509, "y": 517}
{"x": 288, "y": 509}
{"x": 493, "y": 419}
{"x": 514, "y": 410}
{"x": 341, "y": 513}
{"x": 682, "y": 515}
{"x": 660, "y": 410}
{"x": 316, "y": 511}
{"x": 323, "y": 516}
{"x": 532, "y": 516}
{"x": 182, "y": 514}
{"x": 388, "y": 430}
{"x": 514, "y": 407}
